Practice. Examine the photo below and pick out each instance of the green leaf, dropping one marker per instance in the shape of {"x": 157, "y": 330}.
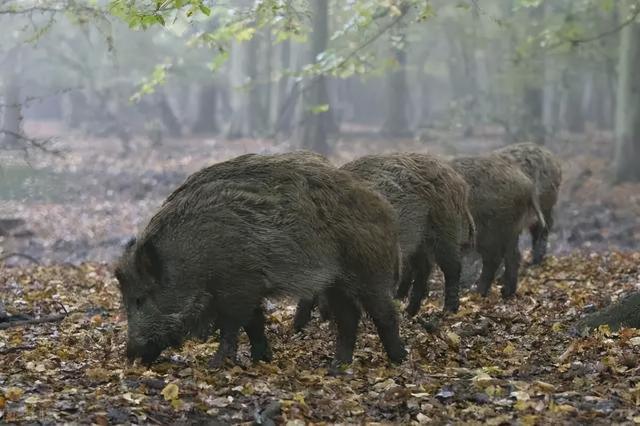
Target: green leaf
{"x": 205, "y": 10}
{"x": 317, "y": 109}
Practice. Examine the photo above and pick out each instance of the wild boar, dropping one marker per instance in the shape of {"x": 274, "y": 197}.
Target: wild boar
{"x": 545, "y": 170}
{"x": 502, "y": 201}
{"x": 261, "y": 226}
{"x": 430, "y": 200}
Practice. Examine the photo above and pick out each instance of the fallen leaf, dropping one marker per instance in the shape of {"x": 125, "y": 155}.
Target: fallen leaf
{"x": 170, "y": 392}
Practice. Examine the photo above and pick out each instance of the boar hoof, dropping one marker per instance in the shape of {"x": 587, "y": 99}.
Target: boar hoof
{"x": 397, "y": 356}
{"x": 412, "y": 310}
{"x": 507, "y": 293}
{"x": 337, "y": 369}
{"x": 261, "y": 353}
{"x": 219, "y": 360}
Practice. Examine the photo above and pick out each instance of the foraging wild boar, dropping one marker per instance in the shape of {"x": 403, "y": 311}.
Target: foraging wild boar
{"x": 503, "y": 201}
{"x": 253, "y": 227}
{"x": 430, "y": 199}
{"x": 544, "y": 169}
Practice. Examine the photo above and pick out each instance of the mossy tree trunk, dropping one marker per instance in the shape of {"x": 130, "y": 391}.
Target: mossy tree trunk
{"x": 627, "y": 128}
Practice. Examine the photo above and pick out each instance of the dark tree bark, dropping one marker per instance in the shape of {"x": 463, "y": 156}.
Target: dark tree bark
{"x": 625, "y": 313}
{"x": 627, "y": 129}
{"x": 318, "y": 124}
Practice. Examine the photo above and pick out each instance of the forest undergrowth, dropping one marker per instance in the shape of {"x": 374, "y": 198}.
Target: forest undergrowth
{"x": 494, "y": 362}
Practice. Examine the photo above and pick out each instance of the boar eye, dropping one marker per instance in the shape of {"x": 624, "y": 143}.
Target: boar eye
{"x": 138, "y": 302}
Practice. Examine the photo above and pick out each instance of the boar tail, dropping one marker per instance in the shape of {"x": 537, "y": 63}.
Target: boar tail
{"x": 535, "y": 201}
{"x": 471, "y": 227}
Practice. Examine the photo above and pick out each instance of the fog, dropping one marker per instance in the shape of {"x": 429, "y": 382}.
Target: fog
{"x": 101, "y": 121}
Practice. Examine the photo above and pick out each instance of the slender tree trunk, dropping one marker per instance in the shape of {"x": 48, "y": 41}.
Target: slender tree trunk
{"x": 249, "y": 117}
{"x": 268, "y": 83}
{"x": 12, "y": 112}
{"x": 169, "y": 119}
{"x": 396, "y": 122}
{"x": 207, "y": 122}
{"x": 318, "y": 120}
{"x": 285, "y": 111}
{"x": 12, "y": 117}
{"x": 533, "y": 96}
{"x": 574, "y": 117}
{"x": 627, "y": 130}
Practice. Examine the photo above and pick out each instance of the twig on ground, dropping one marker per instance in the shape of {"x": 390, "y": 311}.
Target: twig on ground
{"x": 16, "y": 349}
{"x": 40, "y": 144}
{"x": 41, "y": 320}
{"x": 62, "y": 306}
{"x": 559, "y": 280}
{"x": 22, "y": 255}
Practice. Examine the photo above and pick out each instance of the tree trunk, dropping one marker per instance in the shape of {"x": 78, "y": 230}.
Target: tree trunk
{"x": 285, "y": 110}
{"x": 169, "y": 119}
{"x": 574, "y": 117}
{"x": 12, "y": 117}
{"x": 268, "y": 77}
{"x": 318, "y": 117}
{"x": 625, "y": 313}
{"x": 424, "y": 97}
{"x": 627, "y": 129}
{"x": 207, "y": 122}
{"x": 533, "y": 96}
{"x": 12, "y": 112}
{"x": 249, "y": 119}
{"x": 396, "y": 122}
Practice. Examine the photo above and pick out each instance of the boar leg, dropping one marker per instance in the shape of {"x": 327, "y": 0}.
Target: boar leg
{"x": 380, "y": 308}
{"x": 448, "y": 258}
{"x": 228, "y": 343}
{"x": 512, "y": 260}
{"x": 420, "y": 289}
{"x": 303, "y": 313}
{"x": 490, "y": 264}
{"x": 407, "y": 277}
{"x": 347, "y": 316}
{"x": 260, "y": 348}
{"x": 539, "y": 238}
{"x": 324, "y": 308}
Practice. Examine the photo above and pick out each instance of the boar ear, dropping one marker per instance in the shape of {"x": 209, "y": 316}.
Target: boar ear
{"x": 148, "y": 260}
{"x": 130, "y": 243}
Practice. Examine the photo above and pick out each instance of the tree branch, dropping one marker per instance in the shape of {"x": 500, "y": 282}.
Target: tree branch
{"x": 41, "y": 320}
{"x": 22, "y": 255}
{"x": 577, "y": 41}
{"x": 296, "y": 90}
{"x": 40, "y": 144}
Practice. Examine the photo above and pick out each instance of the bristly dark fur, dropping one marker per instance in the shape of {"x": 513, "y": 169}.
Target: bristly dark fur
{"x": 261, "y": 226}
{"x": 545, "y": 170}
{"x": 430, "y": 201}
{"x": 503, "y": 202}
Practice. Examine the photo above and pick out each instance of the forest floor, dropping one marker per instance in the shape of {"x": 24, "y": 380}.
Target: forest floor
{"x": 497, "y": 362}
{"x": 494, "y": 362}
{"x": 85, "y": 205}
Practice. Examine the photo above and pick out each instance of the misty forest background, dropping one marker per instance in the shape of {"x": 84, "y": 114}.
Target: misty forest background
{"x": 107, "y": 105}
{"x": 114, "y": 103}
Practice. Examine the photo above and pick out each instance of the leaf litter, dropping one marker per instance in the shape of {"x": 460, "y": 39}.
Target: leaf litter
{"x": 494, "y": 362}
